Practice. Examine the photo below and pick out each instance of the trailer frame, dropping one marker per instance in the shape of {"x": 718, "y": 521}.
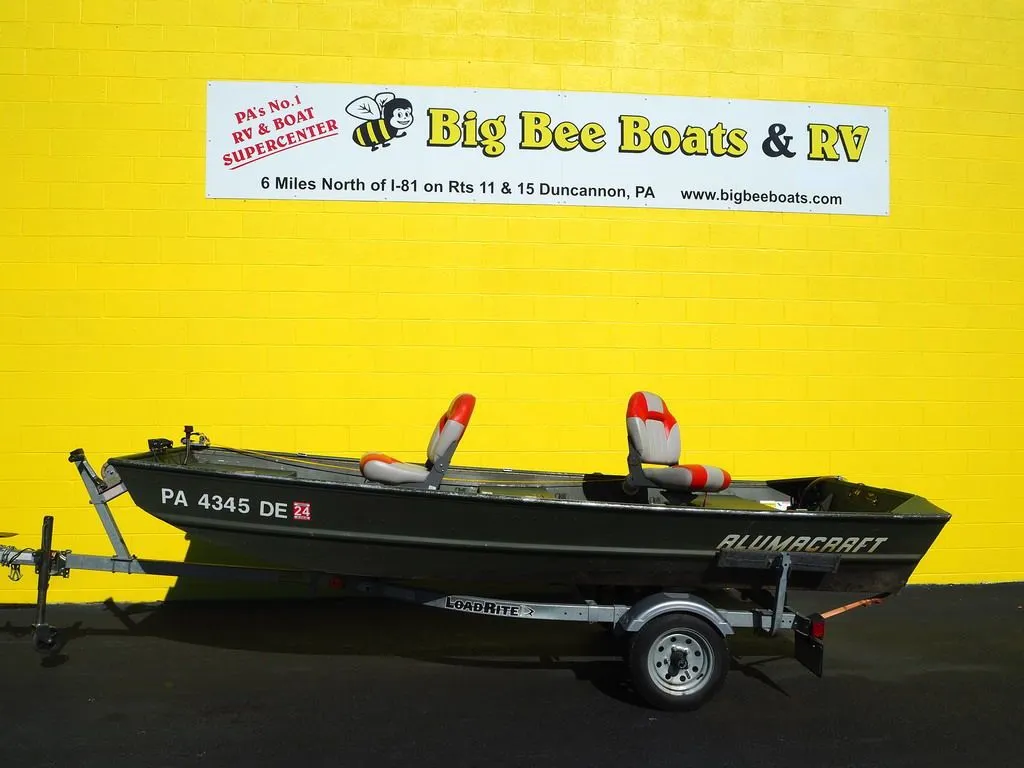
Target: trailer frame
{"x": 693, "y": 630}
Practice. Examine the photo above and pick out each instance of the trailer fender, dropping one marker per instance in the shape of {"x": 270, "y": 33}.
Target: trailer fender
{"x": 661, "y": 603}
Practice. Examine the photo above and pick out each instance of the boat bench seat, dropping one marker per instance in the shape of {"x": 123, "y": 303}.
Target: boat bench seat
{"x": 653, "y": 434}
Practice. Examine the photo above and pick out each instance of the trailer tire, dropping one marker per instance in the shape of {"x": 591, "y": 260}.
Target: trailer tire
{"x": 678, "y": 661}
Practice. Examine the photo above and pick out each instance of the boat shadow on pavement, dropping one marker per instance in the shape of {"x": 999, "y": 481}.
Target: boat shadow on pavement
{"x": 373, "y": 627}
{"x": 236, "y": 673}
{"x": 292, "y": 619}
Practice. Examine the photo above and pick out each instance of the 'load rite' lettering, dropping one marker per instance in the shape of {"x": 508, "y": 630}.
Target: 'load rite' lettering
{"x": 481, "y": 606}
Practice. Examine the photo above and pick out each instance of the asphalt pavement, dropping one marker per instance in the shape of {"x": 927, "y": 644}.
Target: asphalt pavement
{"x": 933, "y": 677}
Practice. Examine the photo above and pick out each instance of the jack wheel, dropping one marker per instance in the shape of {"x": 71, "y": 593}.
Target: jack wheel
{"x": 678, "y": 661}
{"x": 44, "y": 639}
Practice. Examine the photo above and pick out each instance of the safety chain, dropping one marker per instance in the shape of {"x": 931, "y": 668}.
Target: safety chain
{"x": 9, "y": 559}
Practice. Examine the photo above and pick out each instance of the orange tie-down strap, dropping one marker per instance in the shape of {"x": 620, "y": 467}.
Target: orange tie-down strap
{"x": 855, "y": 604}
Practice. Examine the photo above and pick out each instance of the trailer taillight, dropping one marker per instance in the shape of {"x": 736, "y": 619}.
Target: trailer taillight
{"x": 817, "y": 627}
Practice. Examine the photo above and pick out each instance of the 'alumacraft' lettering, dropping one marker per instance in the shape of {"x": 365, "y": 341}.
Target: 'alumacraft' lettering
{"x": 802, "y": 543}
{"x": 482, "y": 606}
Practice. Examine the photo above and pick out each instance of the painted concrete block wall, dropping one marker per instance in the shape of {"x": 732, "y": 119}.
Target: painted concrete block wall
{"x": 885, "y": 349}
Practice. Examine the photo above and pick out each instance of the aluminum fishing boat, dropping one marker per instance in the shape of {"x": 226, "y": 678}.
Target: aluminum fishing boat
{"x": 673, "y": 558}
{"x": 658, "y": 525}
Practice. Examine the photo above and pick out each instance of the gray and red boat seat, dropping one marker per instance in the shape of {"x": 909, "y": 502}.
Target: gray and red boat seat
{"x": 450, "y": 428}
{"x": 654, "y": 439}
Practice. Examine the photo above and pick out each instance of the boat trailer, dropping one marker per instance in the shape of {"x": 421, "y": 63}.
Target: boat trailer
{"x": 676, "y": 642}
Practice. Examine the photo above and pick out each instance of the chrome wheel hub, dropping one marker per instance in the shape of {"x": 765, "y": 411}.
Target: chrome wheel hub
{"x": 680, "y": 662}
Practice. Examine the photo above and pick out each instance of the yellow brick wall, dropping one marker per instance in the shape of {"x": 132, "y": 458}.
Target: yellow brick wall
{"x": 887, "y": 349}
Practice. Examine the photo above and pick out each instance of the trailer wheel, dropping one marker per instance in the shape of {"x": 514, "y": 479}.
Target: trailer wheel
{"x": 678, "y": 661}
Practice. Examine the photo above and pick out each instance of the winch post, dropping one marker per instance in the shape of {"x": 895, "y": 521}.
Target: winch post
{"x": 99, "y": 495}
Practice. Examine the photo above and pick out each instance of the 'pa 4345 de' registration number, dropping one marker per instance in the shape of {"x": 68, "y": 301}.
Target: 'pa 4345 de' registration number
{"x": 296, "y": 510}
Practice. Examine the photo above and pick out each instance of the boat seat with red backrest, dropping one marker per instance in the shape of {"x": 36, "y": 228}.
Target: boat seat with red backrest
{"x": 653, "y": 434}
{"x": 445, "y": 439}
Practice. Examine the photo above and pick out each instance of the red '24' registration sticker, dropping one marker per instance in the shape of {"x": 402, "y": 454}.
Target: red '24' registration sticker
{"x": 300, "y": 510}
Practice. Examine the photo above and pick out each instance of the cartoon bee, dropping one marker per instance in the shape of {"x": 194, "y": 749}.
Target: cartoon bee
{"x": 385, "y": 118}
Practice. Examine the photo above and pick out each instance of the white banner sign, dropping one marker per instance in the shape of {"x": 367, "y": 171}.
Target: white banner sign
{"x": 322, "y": 141}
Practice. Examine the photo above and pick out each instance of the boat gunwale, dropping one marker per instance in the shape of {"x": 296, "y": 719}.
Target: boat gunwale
{"x": 144, "y": 461}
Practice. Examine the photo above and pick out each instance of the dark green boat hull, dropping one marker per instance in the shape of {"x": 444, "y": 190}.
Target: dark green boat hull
{"x": 532, "y": 528}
